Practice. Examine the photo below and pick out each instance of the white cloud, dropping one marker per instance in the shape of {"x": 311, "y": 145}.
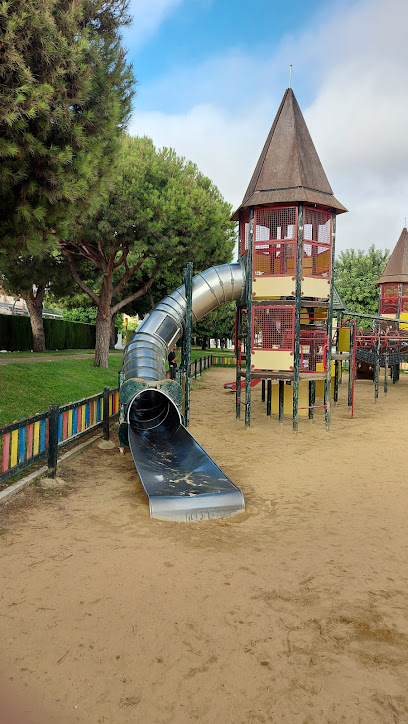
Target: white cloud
{"x": 354, "y": 66}
{"x": 147, "y": 16}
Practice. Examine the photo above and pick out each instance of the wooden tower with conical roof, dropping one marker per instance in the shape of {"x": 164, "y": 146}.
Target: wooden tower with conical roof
{"x": 286, "y": 240}
{"x": 394, "y": 281}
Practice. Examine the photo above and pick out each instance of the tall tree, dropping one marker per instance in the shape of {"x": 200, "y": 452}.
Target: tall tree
{"x": 65, "y": 96}
{"x": 16, "y": 277}
{"x": 160, "y": 213}
{"x": 355, "y": 277}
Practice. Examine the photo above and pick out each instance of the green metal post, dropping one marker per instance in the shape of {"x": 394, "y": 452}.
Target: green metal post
{"x": 337, "y": 363}
{"x": 249, "y": 270}
{"x": 53, "y": 415}
{"x": 312, "y": 398}
{"x": 377, "y": 363}
{"x": 351, "y": 367}
{"x": 385, "y": 372}
{"x": 263, "y": 390}
{"x": 188, "y": 283}
{"x": 281, "y": 399}
{"x": 298, "y": 299}
{"x": 105, "y": 413}
{"x": 269, "y": 398}
{"x": 238, "y": 367}
{"x": 200, "y": 365}
{"x": 327, "y": 382}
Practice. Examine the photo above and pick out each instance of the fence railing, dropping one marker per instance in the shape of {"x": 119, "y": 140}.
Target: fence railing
{"x": 28, "y": 441}
{"x": 32, "y": 439}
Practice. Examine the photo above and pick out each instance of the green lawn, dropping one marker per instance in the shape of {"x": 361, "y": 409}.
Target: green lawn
{"x": 30, "y": 388}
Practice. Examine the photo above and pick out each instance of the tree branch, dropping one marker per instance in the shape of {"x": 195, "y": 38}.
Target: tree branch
{"x": 120, "y": 285}
{"x": 74, "y": 272}
{"x": 136, "y": 295}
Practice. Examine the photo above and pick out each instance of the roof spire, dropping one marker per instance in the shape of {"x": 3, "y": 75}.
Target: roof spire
{"x": 290, "y": 76}
{"x": 289, "y": 169}
{"x": 397, "y": 267}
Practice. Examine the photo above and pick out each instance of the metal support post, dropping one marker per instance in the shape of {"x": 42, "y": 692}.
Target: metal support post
{"x": 263, "y": 390}
{"x": 386, "y": 372}
{"x": 238, "y": 332}
{"x": 249, "y": 273}
{"x": 312, "y": 398}
{"x": 105, "y": 413}
{"x": 53, "y": 417}
{"x": 188, "y": 283}
{"x": 377, "y": 362}
{"x": 298, "y": 295}
{"x": 281, "y": 399}
{"x": 327, "y": 382}
{"x": 269, "y": 398}
{"x": 351, "y": 367}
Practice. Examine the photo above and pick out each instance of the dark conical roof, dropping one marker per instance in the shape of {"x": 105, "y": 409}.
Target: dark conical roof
{"x": 397, "y": 267}
{"x": 289, "y": 169}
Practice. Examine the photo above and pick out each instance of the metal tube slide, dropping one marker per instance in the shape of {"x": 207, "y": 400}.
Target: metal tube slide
{"x": 182, "y": 482}
{"x": 145, "y": 356}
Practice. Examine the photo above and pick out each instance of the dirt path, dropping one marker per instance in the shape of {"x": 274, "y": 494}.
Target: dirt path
{"x": 51, "y": 358}
{"x": 295, "y": 611}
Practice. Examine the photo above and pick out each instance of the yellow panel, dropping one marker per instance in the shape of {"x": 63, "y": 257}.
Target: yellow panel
{"x": 312, "y": 287}
{"x": 319, "y": 368}
{"x": 83, "y": 416}
{"x": 14, "y": 447}
{"x": 268, "y": 287}
{"x": 344, "y": 340}
{"x": 320, "y": 388}
{"x": 70, "y": 430}
{"x": 36, "y": 438}
{"x": 288, "y": 399}
{"x": 403, "y": 315}
{"x": 271, "y": 360}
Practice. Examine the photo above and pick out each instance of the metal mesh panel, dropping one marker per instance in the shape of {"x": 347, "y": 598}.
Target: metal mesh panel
{"x": 274, "y": 241}
{"x": 389, "y": 306}
{"x": 389, "y": 291}
{"x": 274, "y": 259}
{"x": 316, "y": 243}
{"x": 404, "y": 304}
{"x": 316, "y": 260}
{"x": 313, "y": 349}
{"x": 273, "y": 327}
{"x": 275, "y": 224}
{"x": 244, "y": 232}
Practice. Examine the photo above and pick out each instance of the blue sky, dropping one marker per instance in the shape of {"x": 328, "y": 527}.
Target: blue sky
{"x": 211, "y": 74}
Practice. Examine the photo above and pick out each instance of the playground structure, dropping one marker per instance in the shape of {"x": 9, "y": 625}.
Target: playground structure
{"x": 287, "y": 227}
{"x": 284, "y": 291}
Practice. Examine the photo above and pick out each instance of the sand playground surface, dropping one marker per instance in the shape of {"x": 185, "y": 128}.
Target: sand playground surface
{"x": 295, "y": 611}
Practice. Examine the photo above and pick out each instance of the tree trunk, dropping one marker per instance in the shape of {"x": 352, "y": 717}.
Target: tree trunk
{"x": 103, "y": 325}
{"x": 34, "y": 301}
{"x": 112, "y": 340}
{"x": 204, "y": 342}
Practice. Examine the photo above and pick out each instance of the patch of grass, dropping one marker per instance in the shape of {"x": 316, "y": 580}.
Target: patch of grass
{"x": 27, "y": 389}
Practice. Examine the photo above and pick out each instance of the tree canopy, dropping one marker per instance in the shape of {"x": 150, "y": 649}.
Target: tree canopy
{"x": 65, "y": 97}
{"x": 219, "y": 324}
{"x": 160, "y": 213}
{"x": 355, "y": 277}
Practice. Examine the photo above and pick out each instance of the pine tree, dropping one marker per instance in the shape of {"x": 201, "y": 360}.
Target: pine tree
{"x": 65, "y": 95}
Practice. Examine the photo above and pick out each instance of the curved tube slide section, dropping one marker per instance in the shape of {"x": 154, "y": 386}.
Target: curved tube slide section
{"x": 181, "y": 480}
{"x": 145, "y": 356}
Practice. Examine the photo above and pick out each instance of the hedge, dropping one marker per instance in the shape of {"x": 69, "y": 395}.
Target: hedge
{"x": 16, "y": 335}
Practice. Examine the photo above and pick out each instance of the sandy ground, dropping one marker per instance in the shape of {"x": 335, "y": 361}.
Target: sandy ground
{"x": 295, "y": 611}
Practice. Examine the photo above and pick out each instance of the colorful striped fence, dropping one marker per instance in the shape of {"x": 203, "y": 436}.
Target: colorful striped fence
{"x": 26, "y": 442}
{"x": 224, "y": 361}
